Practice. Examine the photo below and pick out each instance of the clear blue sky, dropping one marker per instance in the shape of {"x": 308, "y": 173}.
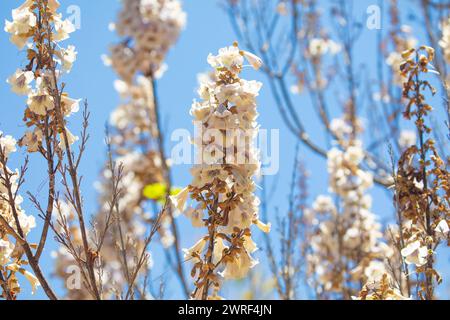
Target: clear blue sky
{"x": 208, "y": 29}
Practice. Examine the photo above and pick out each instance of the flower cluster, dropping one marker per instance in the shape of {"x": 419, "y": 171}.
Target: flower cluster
{"x": 319, "y": 47}
{"x": 422, "y": 178}
{"x": 37, "y": 25}
{"x": 346, "y": 243}
{"x": 222, "y": 184}
{"x": 11, "y": 252}
{"x": 382, "y": 289}
{"x": 148, "y": 28}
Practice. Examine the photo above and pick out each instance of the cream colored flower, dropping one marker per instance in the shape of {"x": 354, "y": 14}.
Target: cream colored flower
{"x": 354, "y": 155}
{"x": 40, "y": 102}
{"x": 33, "y": 281}
{"x": 179, "y": 200}
{"x": 319, "y": 47}
{"x": 8, "y": 144}
{"x": 6, "y": 249}
{"x": 20, "y": 82}
{"x": 253, "y": 59}
{"x": 69, "y": 105}
{"x": 324, "y": 204}
{"x": 26, "y": 222}
{"x": 23, "y": 22}
{"x": 32, "y": 140}
{"x": 196, "y": 217}
{"x": 415, "y": 253}
{"x": 70, "y": 137}
{"x": 442, "y": 229}
{"x": 407, "y": 138}
{"x": 228, "y": 57}
{"x": 68, "y": 57}
{"x": 238, "y": 266}
{"x": 62, "y": 28}
{"x": 196, "y": 249}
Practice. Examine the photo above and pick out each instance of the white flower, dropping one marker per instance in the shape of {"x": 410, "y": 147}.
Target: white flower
{"x": 200, "y": 111}
{"x": 62, "y": 27}
{"x": 319, "y": 47}
{"x": 238, "y": 266}
{"x": 33, "y": 281}
{"x": 375, "y": 270}
{"x": 228, "y": 57}
{"x": 32, "y": 140}
{"x": 69, "y": 105}
{"x": 23, "y": 22}
{"x": 415, "y": 253}
{"x": 40, "y": 102}
{"x": 26, "y": 222}
{"x": 179, "y": 200}
{"x": 324, "y": 204}
{"x": 68, "y": 57}
{"x": 407, "y": 138}
{"x": 442, "y": 229}
{"x": 70, "y": 138}
{"x": 340, "y": 128}
{"x": 8, "y": 144}
{"x": 6, "y": 249}
{"x": 253, "y": 59}
{"x": 196, "y": 249}
{"x": 354, "y": 155}
{"x": 196, "y": 217}
{"x": 20, "y": 82}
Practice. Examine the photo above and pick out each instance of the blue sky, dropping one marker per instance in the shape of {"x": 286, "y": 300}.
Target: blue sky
{"x": 208, "y": 29}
